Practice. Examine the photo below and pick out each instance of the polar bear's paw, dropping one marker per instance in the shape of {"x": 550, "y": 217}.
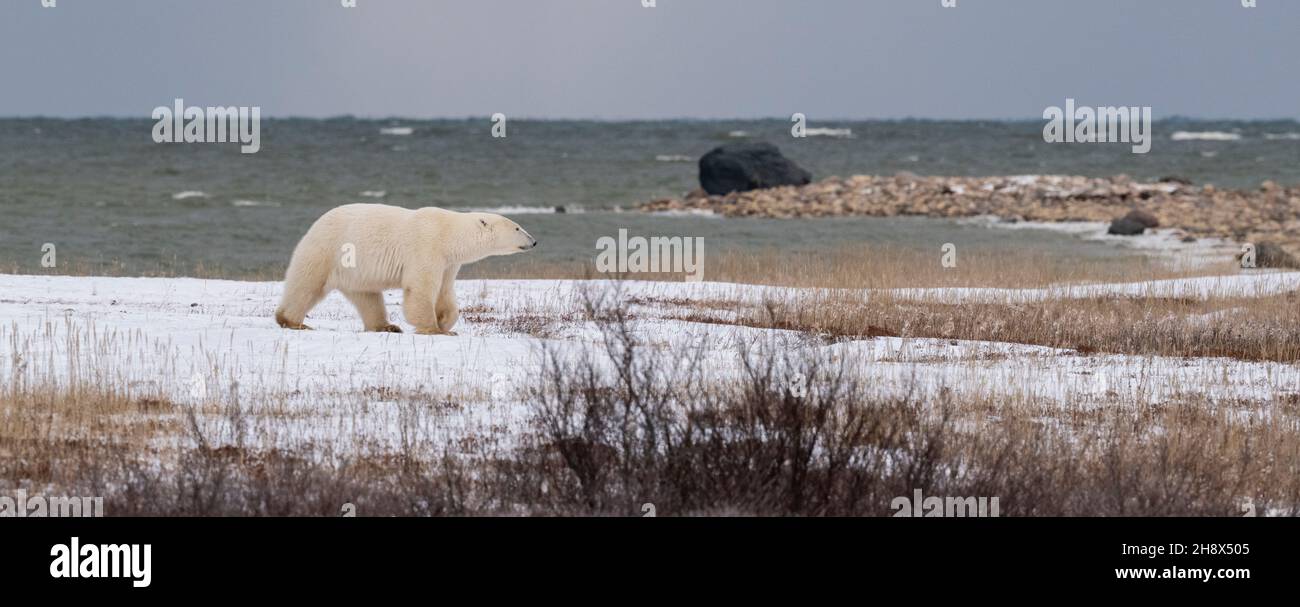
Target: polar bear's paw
{"x": 389, "y": 329}
{"x": 433, "y": 331}
{"x": 288, "y": 324}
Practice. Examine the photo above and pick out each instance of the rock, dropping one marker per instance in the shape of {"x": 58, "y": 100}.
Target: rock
{"x": 1146, "y": 219}
{"x": 1268, "y": 213}
{"x": 1269, "y": 254}
{"x": 1132, "y": 224}
{"x": 1126, "y": 227}
{"x": 1175, "y": 179}
{"x": 561, "y": 209}
{"x": 741, "y": 167}
{"x": 697, "y": 193}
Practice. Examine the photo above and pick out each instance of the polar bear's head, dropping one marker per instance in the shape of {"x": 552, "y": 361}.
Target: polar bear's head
{"x": 500, "y": 236}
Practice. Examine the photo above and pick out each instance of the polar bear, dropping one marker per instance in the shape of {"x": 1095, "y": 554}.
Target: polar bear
{"x": 363, "y": 249}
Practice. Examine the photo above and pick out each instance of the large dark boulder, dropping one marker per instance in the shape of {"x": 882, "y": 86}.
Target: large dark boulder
{"x": 1126, "y": 227}
{"x": 1146, "y": 219}
{"x": 740, "y": 167}
{"x": 1136, "y": 222}
{"x": 1269, "y": 254}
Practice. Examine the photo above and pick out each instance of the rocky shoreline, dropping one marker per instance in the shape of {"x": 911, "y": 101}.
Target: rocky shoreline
{"x": 1268, "y": 215}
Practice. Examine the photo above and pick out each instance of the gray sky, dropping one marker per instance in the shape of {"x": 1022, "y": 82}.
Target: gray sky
{"x": 614, "y": 59}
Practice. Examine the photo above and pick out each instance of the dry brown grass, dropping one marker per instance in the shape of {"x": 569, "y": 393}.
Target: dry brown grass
{"x": 886, "y": 267}
{"x": 860, "y": 266}
{"x": 1255, "y": 328}
{"x": 872, "y": 266}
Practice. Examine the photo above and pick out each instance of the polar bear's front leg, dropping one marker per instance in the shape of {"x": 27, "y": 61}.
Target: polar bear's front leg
{"x": 373, "y": 313}
{"x": 447, "y": 310}
{"x": 417, "y": 304}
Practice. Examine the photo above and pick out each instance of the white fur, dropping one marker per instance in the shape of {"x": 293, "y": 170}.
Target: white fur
{"x": 419, "y": 251}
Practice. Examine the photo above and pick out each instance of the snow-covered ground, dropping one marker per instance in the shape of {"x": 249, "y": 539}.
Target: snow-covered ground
{"x": 195, "y": 341}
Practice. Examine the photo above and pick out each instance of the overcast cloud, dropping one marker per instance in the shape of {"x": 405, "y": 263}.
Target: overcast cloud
{"x": 614, "y": 59}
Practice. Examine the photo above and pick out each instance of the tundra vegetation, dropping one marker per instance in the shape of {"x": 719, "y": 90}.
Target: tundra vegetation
{"x": 794, "y": 427}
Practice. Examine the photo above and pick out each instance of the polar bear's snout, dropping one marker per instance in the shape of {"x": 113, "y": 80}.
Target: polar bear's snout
{"x": 528, "y": 241}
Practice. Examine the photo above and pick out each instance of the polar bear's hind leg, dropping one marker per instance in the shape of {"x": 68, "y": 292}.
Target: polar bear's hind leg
{"x": 304, "y": 287}
{"x": 294, "y": 310}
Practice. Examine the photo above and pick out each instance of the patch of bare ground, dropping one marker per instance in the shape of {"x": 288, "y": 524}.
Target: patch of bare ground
{"x": 540, "y": 326}
{"x": 830, "y": 334}
{"x": 681, "y": 302}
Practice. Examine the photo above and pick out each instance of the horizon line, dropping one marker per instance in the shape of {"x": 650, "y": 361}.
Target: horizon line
{"x": 488, "y": 117}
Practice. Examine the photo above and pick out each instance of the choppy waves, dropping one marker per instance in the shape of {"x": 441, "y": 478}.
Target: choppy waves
{"x": 1205, "y": 136}
{"x": 523, "y": 210}
{"x": 253, "y": 203}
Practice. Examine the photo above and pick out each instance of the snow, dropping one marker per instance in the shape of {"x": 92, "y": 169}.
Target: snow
{"x": 192, "y": 340}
